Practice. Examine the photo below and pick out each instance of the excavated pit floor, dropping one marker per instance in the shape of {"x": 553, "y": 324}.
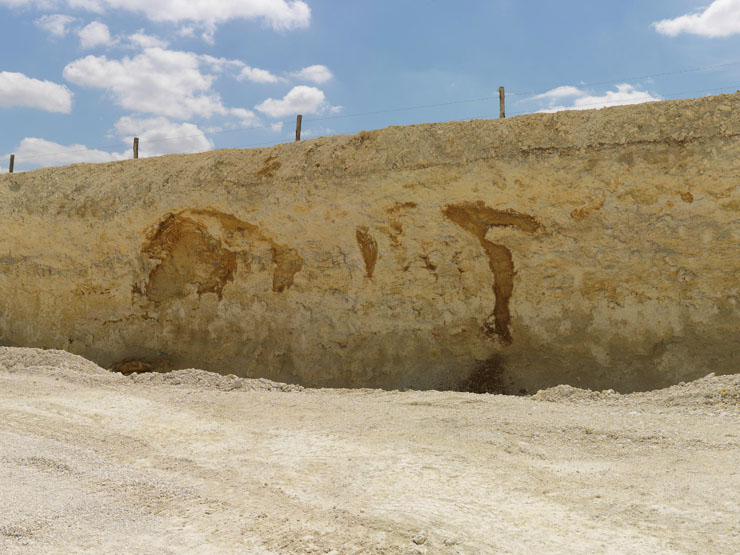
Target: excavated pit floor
{"x": 194, "y": 462}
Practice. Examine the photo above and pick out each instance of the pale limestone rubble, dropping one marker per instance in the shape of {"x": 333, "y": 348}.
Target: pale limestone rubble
{"x": 596, "y": 248}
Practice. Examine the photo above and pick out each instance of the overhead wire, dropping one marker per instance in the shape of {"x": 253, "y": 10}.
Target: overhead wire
{"x": 420, "y": 107}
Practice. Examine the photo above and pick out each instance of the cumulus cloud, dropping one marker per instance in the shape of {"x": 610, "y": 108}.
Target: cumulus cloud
{"x": 187, "y": 31}
{"x": 316, "y": 74}
{"x": 20, "y": 3}
{"x": 582, "y": 100}
{"x": 219, "y": 64}
{"x": 94, "y": 34}
{"x": 246, "y": 117}
{"x": 177, "y": 84}
{"x": 320, "y": 132}
{"x": 158, "y": 81}
{"x": 257, "y": 75}
{"x": 559, "y": 92}
{"x": 158, "y": 136}
{"x": 720, "y": 19}
{"x": 279, "y": 14}
{"x": 34, "y": 152}
{"x": 142, "y": 40}
{"x": 300, "y": 100}
{"x": 56, "y": 24}
{"x": 17, "y": 89}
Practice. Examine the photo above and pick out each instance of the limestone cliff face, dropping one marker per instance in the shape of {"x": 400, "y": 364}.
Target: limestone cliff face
{"x": 596, "y": 248}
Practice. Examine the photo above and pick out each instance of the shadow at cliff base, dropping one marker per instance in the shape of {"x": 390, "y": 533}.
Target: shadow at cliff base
{"x": 488, "y": 377}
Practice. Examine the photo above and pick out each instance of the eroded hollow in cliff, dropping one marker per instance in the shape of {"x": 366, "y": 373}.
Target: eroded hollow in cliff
{"x": 189, "y": 257}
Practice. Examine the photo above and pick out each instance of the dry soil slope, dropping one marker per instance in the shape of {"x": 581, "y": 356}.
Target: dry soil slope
{"x": 593, "y": 248}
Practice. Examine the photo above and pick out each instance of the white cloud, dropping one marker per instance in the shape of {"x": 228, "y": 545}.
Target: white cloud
{"x": 187, "y": 31}
{"x": 17, "y": 89}
{"x": 316, "y": 74}
{"x": 159, "y": 136}
{"x": 257, "y": 75}
{"x": 94, "y": 6}
{"x": 582, "y": 100}
{"x": 720, "y": 19}
{"x": 279, "y": 14}
{"x": 208, "y": 34}
{"x": 246, "y": 117}
{"x": 300, "y": 100}
{"x": 57, "y": 24}
{"x": 158, "y": 81}
{"x": 320, "y": 132}
{"x": 36, "y": 152}
{"x": 559, "y": 92}
{"x": 220, "y": 64}
{"x": 94, "y": 34}
{"x": 142, "y": 40}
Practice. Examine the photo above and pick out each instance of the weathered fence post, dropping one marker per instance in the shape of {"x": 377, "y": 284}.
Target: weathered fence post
{"x": 298, "y": 122}
{"x": 12, "y": 163}
{"x": 136, "y": 147}
{"x": 502, "y": 102}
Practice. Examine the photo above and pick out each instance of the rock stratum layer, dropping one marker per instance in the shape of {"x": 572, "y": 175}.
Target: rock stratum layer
{"x": 594, "y": 248}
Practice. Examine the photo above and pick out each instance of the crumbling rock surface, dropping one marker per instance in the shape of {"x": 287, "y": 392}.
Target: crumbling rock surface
{"x": 595, "y": 248}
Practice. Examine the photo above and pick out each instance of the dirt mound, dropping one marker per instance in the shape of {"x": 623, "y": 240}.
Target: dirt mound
{"x": 570, "y": 394}
{"x": 202, "y": 379}
{"x": 79, "y": 370}
{"x": 711, "y": 390}
{"x": 15, "y": 358}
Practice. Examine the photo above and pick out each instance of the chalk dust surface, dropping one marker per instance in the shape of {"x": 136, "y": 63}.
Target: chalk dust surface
{"x": 93, "y": 461}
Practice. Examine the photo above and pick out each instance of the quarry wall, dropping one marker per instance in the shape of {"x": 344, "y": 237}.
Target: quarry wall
{"x": 596, "y": 248}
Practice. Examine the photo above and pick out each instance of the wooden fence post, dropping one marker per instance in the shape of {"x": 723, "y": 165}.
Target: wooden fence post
{"x": 12, "y": 163}
{"x": 298, "y": 122}
{"x": 136, "y": 147}
{"x": 502, "y": 102}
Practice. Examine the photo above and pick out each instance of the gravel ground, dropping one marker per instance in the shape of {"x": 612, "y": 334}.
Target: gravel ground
{"x": 194, "y": 462}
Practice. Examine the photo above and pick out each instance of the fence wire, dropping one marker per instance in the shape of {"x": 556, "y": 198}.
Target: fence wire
{"x": 528, "y": 95}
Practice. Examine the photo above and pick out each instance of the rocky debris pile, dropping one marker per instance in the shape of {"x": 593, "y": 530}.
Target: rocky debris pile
{"x": 209, "y": 380}
{"x": 570, "y": 394}
{"x": 17, "y": 358}
{"x": 709, "y": 391}
{"x": 79, "y": 370}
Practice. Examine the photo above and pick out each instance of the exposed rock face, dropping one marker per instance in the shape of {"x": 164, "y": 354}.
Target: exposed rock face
{"x": 597, "y": 248}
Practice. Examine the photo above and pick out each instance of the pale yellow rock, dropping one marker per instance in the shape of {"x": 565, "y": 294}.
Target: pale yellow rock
{"x": 597, "y": 248}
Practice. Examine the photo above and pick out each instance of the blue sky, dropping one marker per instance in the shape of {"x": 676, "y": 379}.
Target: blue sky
{"x": 80, "y": 78}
